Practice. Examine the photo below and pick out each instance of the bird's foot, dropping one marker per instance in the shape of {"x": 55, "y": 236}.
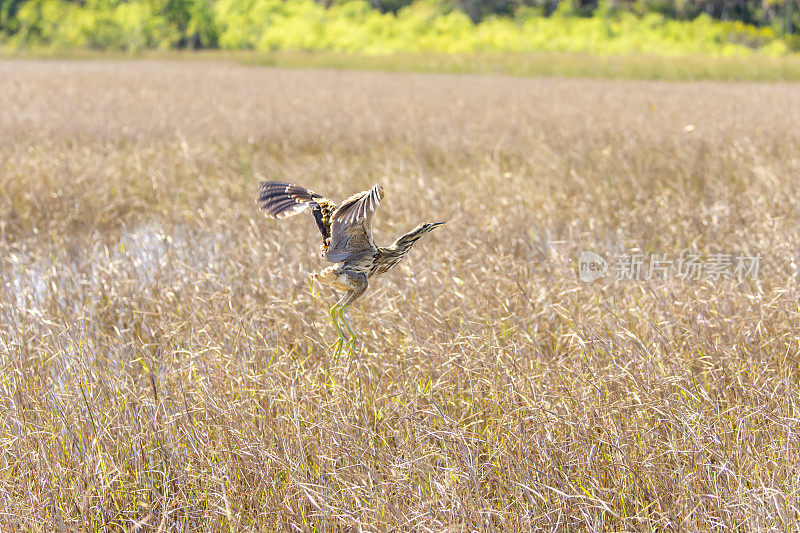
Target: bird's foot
{"x": 337, "y": 349}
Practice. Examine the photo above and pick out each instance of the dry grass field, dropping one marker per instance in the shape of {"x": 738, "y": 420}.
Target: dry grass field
{"x": 166, "y": 364}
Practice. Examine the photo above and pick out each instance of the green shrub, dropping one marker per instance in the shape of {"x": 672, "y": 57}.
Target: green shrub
{"x": 354, "y": 26}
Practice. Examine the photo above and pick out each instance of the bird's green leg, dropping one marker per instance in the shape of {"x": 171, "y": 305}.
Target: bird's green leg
{"x": 340, "y": 341}
{"x": 349, "y": 329}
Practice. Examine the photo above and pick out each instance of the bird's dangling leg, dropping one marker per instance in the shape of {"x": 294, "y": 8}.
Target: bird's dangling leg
{"x": 340, "y": 341}
{"x": 329, "y": 276}
{"x": 349, "y": 329}
{"x": 359, "y": 283}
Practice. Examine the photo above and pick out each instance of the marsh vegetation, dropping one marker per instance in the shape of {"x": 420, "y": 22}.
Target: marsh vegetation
{"x": 166, "y": 365}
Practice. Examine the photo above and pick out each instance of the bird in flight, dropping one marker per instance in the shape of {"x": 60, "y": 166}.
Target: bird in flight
{"x": 346, "y": 241}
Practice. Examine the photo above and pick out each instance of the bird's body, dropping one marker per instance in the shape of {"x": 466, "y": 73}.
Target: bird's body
{"x": 346, "y": 239}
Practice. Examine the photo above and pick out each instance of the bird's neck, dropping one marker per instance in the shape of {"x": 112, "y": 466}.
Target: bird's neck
{"x": 404, "y": 243}
{"x": 394, "y": 253}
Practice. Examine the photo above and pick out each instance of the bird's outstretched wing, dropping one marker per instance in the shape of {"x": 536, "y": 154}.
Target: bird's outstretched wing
{"x": 351, "y": 225}
{"x": 281, "y": 200}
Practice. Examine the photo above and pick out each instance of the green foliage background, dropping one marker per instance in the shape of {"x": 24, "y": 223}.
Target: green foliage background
{"x": 355, "y": 26}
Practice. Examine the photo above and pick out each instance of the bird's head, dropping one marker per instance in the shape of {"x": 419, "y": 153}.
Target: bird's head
{"x": 430, "y": 226}
{"x": 407, "y": 241}
{"x": 423, "y": 229}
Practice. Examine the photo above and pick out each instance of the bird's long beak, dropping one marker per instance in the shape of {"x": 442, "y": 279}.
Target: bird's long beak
{"x": 437, "y": 224}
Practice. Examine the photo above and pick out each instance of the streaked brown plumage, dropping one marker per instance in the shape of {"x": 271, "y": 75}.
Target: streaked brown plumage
{"x": 346, "y": 239}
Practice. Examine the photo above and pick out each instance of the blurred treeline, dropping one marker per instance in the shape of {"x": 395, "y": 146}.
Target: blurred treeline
{"x": 721, "y": 27}
{"x": 755, "y": 12}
